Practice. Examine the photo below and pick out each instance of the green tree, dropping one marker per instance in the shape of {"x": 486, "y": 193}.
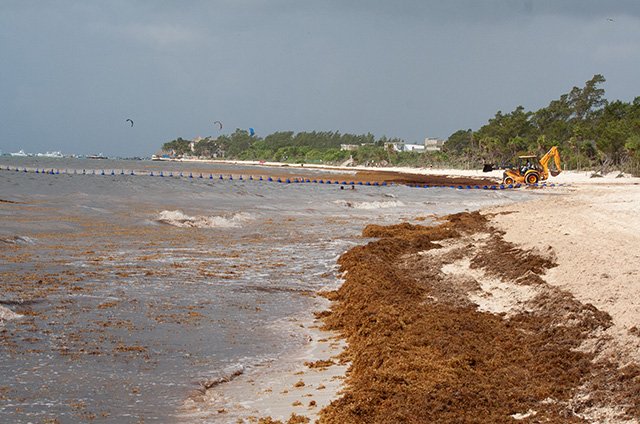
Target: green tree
{"x": 612, "y": 141}
{"x": 179, "y": 146}
{"x": 586, "y": 102}
{"x": 459, "y": 142}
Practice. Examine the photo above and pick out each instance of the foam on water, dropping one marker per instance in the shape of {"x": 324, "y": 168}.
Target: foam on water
{"x": 178, "y": 218}
{"x": 17, "y": 240}
{"x": 222, "y": 376}
{"x": 378, "y": 204}
{"x": 7, "y": 314}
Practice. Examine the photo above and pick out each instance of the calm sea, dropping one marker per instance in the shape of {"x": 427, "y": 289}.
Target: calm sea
{"x": 130, "y": 290}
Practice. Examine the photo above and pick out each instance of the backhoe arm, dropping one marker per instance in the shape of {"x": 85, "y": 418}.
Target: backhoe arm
{"x": 544, "y": 162}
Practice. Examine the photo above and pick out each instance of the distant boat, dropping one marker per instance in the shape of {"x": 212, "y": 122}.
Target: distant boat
{"x": 21, "y": 153}
{"x": 100, "y": 156}
{"x": 50, "y": 155}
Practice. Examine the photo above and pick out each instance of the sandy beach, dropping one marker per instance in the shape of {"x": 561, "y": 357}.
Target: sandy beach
{"x": 520, "y": 313}
{"x": 525, "y": 312}
{"x": 404, "y": 174}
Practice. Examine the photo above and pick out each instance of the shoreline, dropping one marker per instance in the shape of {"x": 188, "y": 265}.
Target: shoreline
{"x": 400, "y": 175}
{"x": 516, "y": 277}
{"x": 368, "y": 176}
{"x": 565, "y": 177}
{"x": 298, "y": 385}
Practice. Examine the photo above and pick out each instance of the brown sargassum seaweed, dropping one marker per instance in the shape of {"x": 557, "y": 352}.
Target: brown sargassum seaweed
{"x": 421, "y": 352}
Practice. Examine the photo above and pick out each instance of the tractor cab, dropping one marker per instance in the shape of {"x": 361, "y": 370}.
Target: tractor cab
{"x": 527, "y": 162}
{"x": 527, "y": 170}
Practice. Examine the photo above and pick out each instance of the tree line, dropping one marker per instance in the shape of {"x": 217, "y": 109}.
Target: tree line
{"x": 590, "y": 132}
{"x": 287, "y": 146}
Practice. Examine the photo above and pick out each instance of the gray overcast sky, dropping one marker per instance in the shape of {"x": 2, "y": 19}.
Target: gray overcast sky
{"x": 71, "y": 72}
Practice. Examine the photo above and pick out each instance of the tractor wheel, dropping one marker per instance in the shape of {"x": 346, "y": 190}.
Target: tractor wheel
{"x": 508, "y": 180}
{"x": 531, "y": 178}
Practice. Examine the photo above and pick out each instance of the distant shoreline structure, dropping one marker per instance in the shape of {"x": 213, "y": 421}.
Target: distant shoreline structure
{"x": 99, "y": 156}
{"x": 19, "y": 153}
{"x": 22, "y": 153}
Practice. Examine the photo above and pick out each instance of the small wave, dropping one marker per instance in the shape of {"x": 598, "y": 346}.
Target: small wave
{"x": 223, "y": 376}
{"x": 370, "y": 205}
{"x": 182, "y": 220}
{"x": 226, "y": 375}
{"x": 17, "y": 240}
{"x": 273, "y": 289}
{"x": 7, "y": 314}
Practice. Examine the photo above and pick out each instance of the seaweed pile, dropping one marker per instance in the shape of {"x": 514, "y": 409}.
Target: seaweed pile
{"x": 422, "y": 351}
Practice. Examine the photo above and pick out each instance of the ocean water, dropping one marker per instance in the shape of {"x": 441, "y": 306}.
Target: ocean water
{"x": 132, "y": 290}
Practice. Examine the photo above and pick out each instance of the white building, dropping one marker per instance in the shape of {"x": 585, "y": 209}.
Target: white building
{"x": 192, "y": 145}
{"x": 396, "y": 147}
{"x": 433, "y": 144}
{"x": 414, "y": 147}
{"x": 404, "y": 147}
{"x": 349, "y": 147}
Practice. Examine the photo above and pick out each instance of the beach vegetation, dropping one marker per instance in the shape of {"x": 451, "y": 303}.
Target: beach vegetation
{"x": 590, "y": 132}
{"x": 177, "y": 147}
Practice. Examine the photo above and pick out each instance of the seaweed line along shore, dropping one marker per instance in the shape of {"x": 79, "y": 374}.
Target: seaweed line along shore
{"x": 481, "y": 317}
{"x": 228, "y": 301}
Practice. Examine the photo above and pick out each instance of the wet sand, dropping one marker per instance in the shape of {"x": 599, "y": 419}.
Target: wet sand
{"x": 374, "y": 176}
{"x": 293, "y": 389}
{"x": 400, "y": 175}
{"x": 519, "y": 313}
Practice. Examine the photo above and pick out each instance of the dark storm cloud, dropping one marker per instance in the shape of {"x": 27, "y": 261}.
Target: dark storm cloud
{"x": 72, "y": 72}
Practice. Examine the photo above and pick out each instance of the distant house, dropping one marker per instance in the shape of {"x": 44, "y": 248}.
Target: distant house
{"x": 404, "y": 147}
{"x": 192, "y": 145}
{"x": 164, "y": 154}
{"x": 349, "y": 147}
{"x": 396, "y": 147}
{"x": 414, "y": 147}
{"x": 433, "y": 144}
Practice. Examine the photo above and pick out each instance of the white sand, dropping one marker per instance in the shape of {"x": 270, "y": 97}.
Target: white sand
{"x": 494, "y": 296}
{"x": 594, "y": 231}
{"x": 565, "y": 177}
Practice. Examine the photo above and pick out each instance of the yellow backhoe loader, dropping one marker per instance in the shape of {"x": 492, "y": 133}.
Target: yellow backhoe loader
{"x": 530, "y": 170}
